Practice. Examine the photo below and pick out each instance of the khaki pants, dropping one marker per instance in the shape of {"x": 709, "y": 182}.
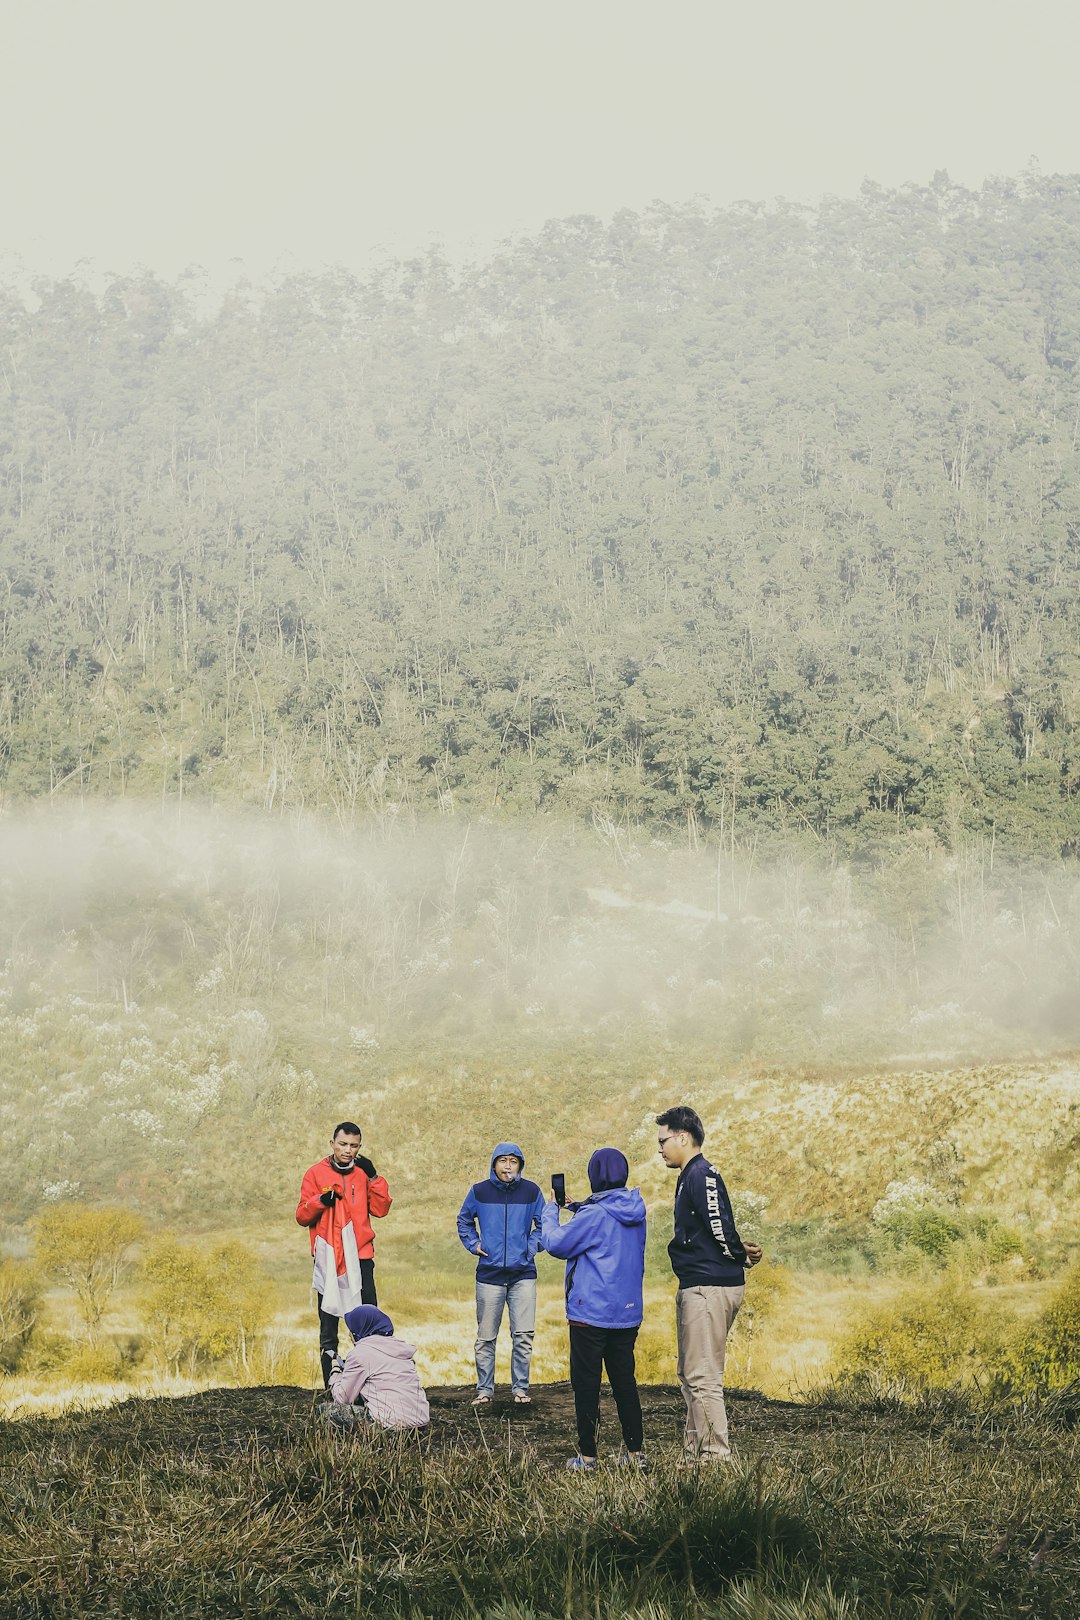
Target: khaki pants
{"x": 703, "y": 1318}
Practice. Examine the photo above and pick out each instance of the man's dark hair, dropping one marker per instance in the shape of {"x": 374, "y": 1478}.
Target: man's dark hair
{"x": 348, "y": 1127}
{"x": 683, "y": 1119}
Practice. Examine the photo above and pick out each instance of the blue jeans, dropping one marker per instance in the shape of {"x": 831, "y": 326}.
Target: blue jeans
{"x": 520, "y": 1296}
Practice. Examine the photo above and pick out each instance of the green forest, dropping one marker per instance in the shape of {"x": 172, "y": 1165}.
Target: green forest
{"x": 757, "y": 523}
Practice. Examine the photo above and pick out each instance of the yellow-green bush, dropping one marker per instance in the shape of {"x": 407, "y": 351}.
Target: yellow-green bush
{"x": 930, "y": 1336}
{"x": 93, "y": 1364}
{"x": 1046, "y": 1355}
{"x": 655, "y": 1352}
{"x": 912, "y": 1225}
{"x": 202, "y": 1305}
{"x": 767, "y": 1286}
{"x": 19, "y": 1293}
{"x": 274, "y": 1363}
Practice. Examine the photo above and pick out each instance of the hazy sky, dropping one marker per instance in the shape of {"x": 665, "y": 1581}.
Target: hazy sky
{"x": 178, "y": 132}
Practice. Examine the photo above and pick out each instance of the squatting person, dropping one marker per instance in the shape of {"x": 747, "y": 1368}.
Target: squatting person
{"x": 709, "y": 1259}
{"x": 338, "y": 1197}
{"x": 499, "y": 1222}
{"x": 604, "y": 1247}
{"x": 378, "y": 1380}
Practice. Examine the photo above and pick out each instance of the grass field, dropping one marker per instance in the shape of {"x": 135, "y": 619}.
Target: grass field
{"x": 237, "y": 1503}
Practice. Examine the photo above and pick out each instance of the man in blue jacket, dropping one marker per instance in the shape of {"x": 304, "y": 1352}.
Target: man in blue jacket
{"x": 709, "y": 1258}
{"x": 499, "y": 1222}
{"x": 604, "y": 1247}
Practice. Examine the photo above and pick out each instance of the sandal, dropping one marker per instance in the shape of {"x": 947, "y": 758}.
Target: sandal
{"x": 522, "y": 1400}
{"x": 481, "y": 1400}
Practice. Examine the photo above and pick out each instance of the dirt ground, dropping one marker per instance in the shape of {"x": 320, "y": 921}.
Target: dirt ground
{"x": 222, "y": 1421}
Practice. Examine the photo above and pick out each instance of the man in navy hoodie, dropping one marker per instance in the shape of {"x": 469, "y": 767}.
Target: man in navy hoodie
{"x": 499, "y": 1222}
{"x": 604, "y": 1247}
{"x": 709, "y": 1258}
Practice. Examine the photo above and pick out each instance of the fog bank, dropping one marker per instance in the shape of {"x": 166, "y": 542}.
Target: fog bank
{"x": 474, "y": 931}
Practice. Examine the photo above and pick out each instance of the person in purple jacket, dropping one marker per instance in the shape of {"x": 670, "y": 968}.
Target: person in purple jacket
{"x": 604, "y": 1247}
{"x": 377, "y": 1380}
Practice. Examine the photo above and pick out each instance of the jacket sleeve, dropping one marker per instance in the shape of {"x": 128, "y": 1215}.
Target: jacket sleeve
{"x": 710, "y": 1200}
{"x": 466, "y": 1224}
{"x": 347, "y": 1384}
{"x": 536, "y": 1233}
{"x": 309, "y": 1211}
{"x": 378, "y": 1196}
{"x": 574, "y": 1238}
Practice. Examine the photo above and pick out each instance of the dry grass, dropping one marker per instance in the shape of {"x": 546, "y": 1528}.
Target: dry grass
{"x": 239, "y": 1504}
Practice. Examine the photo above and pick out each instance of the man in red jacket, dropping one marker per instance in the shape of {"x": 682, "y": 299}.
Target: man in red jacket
{"x": 338, "y": 1197}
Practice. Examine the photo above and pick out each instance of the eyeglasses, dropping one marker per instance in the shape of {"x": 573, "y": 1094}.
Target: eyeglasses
{"x": 662, "y": 1141}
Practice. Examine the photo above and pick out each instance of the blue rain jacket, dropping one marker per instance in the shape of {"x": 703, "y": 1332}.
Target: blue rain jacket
{"x": 604, "y": 1246}
{"x": 503, "y": 1219}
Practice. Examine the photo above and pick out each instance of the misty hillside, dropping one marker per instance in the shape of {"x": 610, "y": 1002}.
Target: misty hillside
{"x": 743, "y": 522}
{"x": 168, "y": 983}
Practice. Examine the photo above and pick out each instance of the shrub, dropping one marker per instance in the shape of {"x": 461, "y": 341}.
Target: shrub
{"x": 1046, "y": 1356}
{"x": 767, "y": 1286}
{"x": 46, "y": 1352}
{"x": 932, "y": 1336}
{"x": 204, "y": 1305}
{"x": 275, "y": 1361}
{"x": 910, "y": 1223}
{"x": 93, "y": 1364}
{"x": 994, "y": 1243}
{"x": 932, "y": 1232}
{"x": 19, "y": 1294}
{"x": 655, "y": 1352}
{"x": 749, "y": 1211}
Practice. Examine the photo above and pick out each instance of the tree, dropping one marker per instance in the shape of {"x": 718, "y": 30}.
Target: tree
{"x": 753, "y": 518}
{"x": 87, "y": 1249}
{"x": 203, "y": 1305}
{"x": 19, "y": 1292}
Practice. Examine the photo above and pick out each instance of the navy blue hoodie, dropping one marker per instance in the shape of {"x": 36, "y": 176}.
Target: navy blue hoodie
{"x": 503, "y": 1219}
{"x": 706, "y": 1250}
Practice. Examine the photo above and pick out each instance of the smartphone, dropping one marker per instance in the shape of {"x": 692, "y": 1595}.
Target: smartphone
{"x": 558, "y": 1189}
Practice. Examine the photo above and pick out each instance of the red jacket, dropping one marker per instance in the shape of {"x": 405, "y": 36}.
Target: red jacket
{"x": 360, "y": 1200}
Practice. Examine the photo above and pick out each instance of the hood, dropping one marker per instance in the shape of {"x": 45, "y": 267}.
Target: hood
{"x": 607, "y": 1169}
{"x": 363, "y": 1320}
{"x": 624, "y": 1204}
{"x": 395, "y": 1349}
{"x": 496, "y": 1153}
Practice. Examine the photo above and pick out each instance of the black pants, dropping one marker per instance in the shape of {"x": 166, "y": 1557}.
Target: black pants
{"x": 328, "y": 1324}
{"x": 591, "y": 1350}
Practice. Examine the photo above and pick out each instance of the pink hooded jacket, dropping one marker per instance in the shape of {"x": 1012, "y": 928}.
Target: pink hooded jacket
{"x": 383, "y": 1372}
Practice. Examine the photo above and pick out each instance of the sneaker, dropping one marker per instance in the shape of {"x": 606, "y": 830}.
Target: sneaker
{"x": 581, "y": 1465}
{"x": 633, "y": 1459}
{"x": 481, "y": 1400}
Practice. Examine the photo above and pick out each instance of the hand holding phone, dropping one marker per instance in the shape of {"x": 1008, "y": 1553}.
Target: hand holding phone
{"x": 558, "y": 1189}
